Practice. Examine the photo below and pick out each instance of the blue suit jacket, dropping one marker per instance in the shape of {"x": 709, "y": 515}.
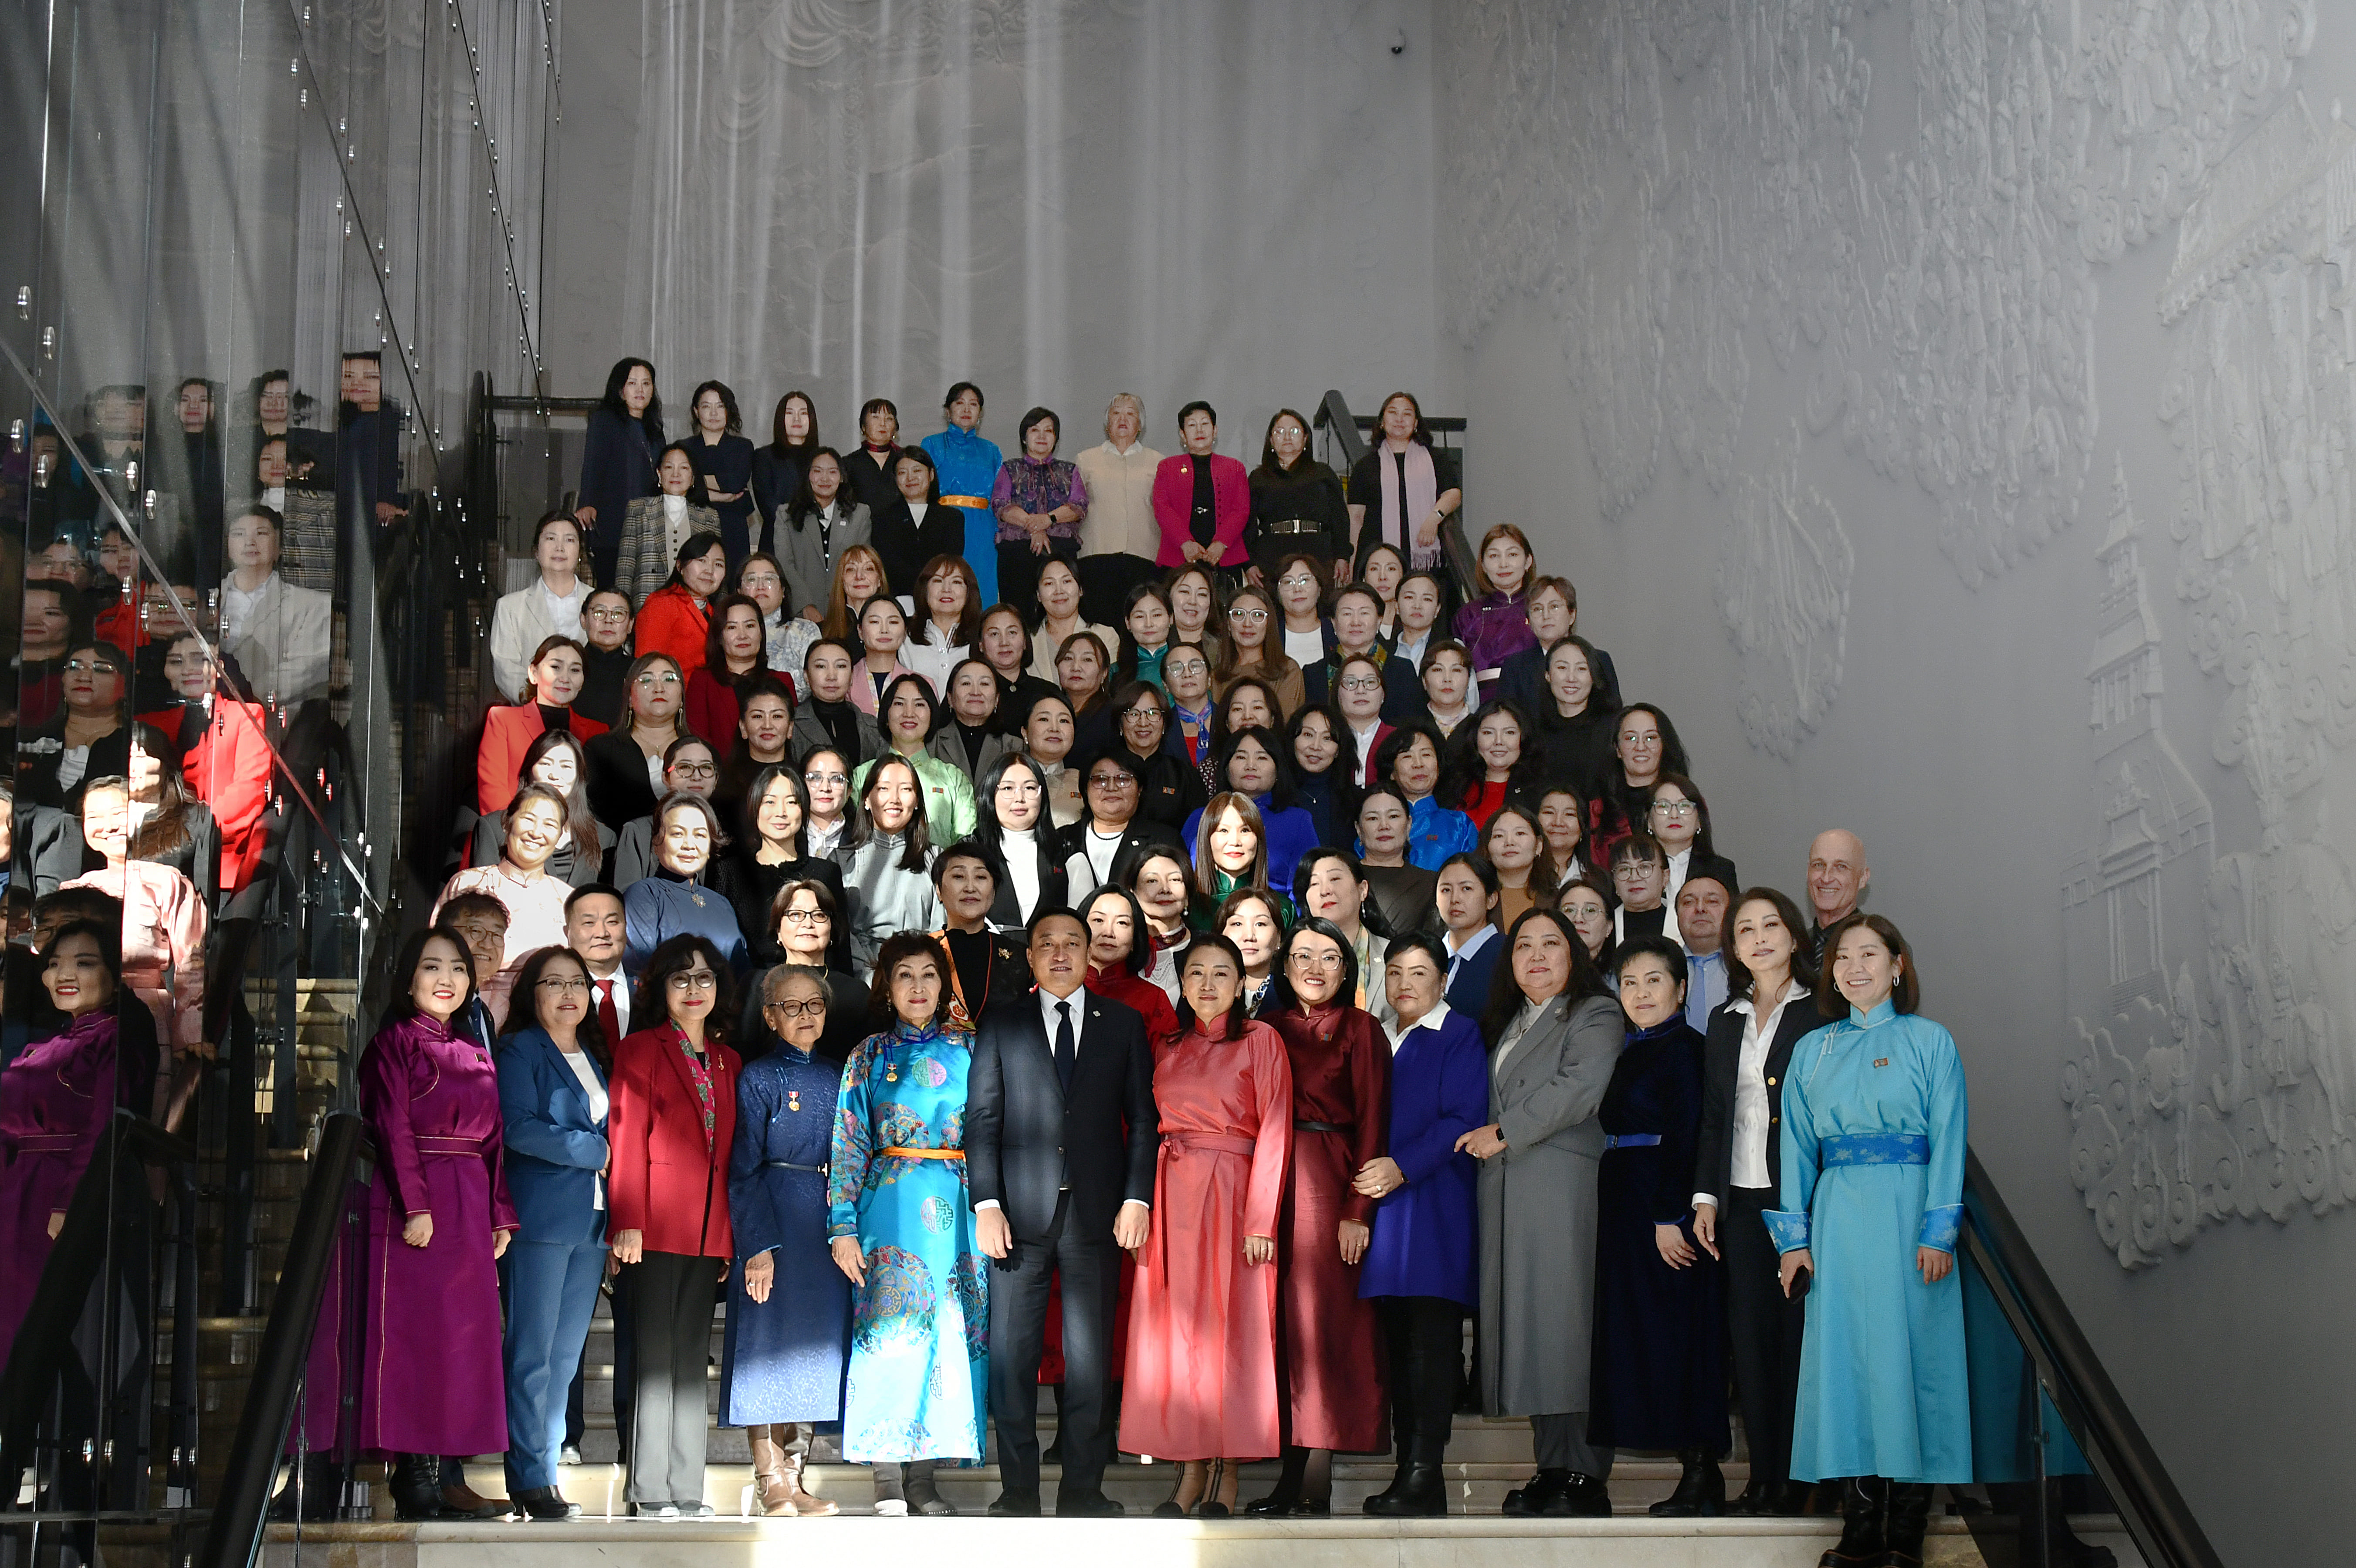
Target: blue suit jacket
{"x": 1426, "y": 1240}
{"x": 1468, "y": 993}
{"x": 554, "y": 1150}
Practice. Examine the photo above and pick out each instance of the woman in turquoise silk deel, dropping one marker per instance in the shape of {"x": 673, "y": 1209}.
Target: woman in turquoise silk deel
{"x": 1875, "y": 1120}
{"x": 919, "y": 1380}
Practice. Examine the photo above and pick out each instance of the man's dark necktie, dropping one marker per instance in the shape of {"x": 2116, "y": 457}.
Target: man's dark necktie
{"x": 1068, "y": 1047}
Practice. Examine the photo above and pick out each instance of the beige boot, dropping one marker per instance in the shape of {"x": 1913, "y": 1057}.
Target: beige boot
{"x": 769, "y": 1470}
{"x": 794, "y": 1442}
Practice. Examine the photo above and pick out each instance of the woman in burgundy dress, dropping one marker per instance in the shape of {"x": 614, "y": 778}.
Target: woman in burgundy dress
{"x": 1329, "y": 1341}
{"x": 431, "y": 1369}
{"x": 1200, "y": 1382}
{"x": 55, "y": 1097}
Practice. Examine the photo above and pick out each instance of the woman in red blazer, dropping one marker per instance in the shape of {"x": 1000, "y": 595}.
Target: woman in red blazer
{"x": 551, "y": 682}
{"x": 224, "y": 755}
{"x": 1173, "y": 497}
{"x": 734, "y": 655}
{"x": 670, "y": 1123}
{"x": 676, "y": 619}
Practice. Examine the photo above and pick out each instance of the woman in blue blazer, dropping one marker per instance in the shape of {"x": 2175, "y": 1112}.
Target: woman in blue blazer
{"x": 553, "y": 1103}
{"x": 1422, "y": 1266}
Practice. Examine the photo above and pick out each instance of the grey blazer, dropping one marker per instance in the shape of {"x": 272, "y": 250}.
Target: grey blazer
{"x": 1538, "y": 1207}
{"x": 810, "y": 561}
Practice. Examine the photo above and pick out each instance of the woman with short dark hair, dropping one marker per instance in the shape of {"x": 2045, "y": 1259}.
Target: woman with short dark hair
{"x": 1328, "y": 1372}
{"x": 1875, "y": 1123}
{"x": 672, "y": 1123}
{"x": 788, "y": 1312}
{"x": 1660, "y": 1298}
{"x": 553, "y": 1069}
{"x": 724, "y": 464}
{"x": 1554, "y": 1036}
{"x": 1040, "y": 501}
{"x": 678, "y": 898}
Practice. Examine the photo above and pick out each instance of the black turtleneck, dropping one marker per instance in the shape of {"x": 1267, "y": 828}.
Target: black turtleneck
{"x": 969, "y": 951}
{"x": 841, "y": 721}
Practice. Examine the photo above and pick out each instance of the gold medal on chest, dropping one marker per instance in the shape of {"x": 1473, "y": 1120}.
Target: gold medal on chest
{"x": 793, "y": 1099}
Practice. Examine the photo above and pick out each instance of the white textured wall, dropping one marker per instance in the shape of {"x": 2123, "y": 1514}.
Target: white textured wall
{"x": 1945, "y": 409}
{"x": 1058, "y": 199}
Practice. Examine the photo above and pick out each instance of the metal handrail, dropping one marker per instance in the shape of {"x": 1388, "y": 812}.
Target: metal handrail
{"x": 44, "y": 1339}
{"x": 234, "y": 1538}
{"x": 2152, "y": 1510}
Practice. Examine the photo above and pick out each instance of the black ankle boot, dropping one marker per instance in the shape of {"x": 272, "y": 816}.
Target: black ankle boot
{"x": 1865, "y": 1506}
{"x": 1426, "y": 1486}
{"x": 1702, "y": 1491}
{"x": 316, "y": 1490}
{"x": 1287, "y": 1493}
{"x": 416, "y": 1487}
{"x": 1385, "y": 1503}
{"x": 1910, "y": 1519}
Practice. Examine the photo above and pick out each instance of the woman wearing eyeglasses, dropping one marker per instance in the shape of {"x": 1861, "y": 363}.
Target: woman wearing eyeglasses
{"x": 87, "y": 738}
{"x": 1246, "y": 649}
{"x": 554, "y": 1105}
{"x": 806, "y": 920}
{"x": 626, "y": 763}
{"x": 788, "y": 1311}
{"x": 672, "y": 1122}
{"x": 1170, "y": 790}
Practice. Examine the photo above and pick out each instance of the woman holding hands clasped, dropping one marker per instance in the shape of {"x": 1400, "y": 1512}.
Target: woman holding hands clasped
{"x": 903, "y": 1234}
{"x": 1224, "y": 1093}
{"x": 1875, "y": 1121}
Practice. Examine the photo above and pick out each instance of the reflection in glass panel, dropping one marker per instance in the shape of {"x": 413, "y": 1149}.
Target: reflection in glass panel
{"x": 264, "y": 270}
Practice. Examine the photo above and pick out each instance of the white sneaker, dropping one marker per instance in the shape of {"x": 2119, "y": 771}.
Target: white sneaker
{"x": 569, "y": 1454}
{"x": 892, "y": 1508}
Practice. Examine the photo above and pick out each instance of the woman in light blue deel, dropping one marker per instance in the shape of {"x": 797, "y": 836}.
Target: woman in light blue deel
{"x": 967, "y": 464}
{"x": 1874, "y": 1128}
{"x": 902, "y": 1229}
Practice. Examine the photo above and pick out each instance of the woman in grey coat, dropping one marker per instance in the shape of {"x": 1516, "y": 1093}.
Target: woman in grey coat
{"x": 817, "y": 526}
{"x": 1554, "y": 1035}
{"x": 887, "y": 885}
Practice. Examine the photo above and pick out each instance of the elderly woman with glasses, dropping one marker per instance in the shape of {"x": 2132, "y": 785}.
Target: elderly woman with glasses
{"x": 788, "y": 1337}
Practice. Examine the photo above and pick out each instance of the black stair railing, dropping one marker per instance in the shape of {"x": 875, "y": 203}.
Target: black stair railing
{"x": 2069, "y": 1373}
{"x": 234, "y": 1537}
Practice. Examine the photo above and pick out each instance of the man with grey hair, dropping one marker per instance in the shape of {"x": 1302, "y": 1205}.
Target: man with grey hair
{"x": 1118, "y": 539}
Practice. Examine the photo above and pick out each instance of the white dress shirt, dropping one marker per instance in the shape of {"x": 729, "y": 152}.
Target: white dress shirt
{"x": 1020, "y": 849}
{"x": 595, "y": 1092}
{"x": 237, "y": 608}
{"x": 616, "y": 986}
{"x": 1749, "y": 1160}
{"x": 1051, "y": 1020}
{"x": 1432, "y": 1019}
{"x": 1680, "y": 864}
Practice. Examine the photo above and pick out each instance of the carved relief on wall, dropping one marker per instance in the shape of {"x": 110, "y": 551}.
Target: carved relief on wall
{"x": 2232, "y": 1096}
{"x": 1783, "y": 588}
{"x": 1938, "y": 304}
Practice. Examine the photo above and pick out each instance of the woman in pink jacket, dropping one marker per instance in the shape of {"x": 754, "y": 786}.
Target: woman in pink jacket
{"x": 1202, "y": 499}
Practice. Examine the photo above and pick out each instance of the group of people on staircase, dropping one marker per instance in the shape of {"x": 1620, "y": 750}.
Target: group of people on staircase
{"x": 1209, "y": 1013}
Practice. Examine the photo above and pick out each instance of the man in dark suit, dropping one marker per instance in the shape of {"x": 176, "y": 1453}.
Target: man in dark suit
{"x": 1060, "y": 1138}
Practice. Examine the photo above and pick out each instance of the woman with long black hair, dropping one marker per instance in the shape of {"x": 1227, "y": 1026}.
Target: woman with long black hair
{"x": 617, "y": 461}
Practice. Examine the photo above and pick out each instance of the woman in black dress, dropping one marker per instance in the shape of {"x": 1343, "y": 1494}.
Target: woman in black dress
{"x": 1296, "y": 501}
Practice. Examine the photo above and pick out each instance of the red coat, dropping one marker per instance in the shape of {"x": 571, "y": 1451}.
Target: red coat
{"x": 508, "y": 735}
{"x": 713, "y": 712}
{"x": 667, "y": 1180}
{"x": 671, "y": 622}
{"x": 227, "y": 765}
{"x": 1173, "y": 508}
